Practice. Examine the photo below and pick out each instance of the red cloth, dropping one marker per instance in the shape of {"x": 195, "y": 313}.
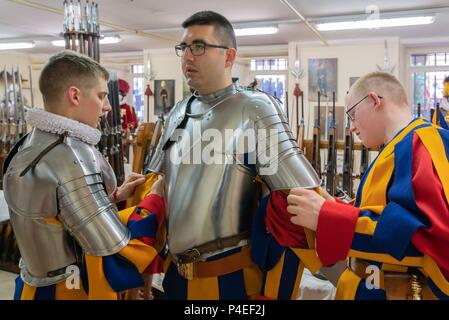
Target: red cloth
{"x": 277, "y": 221}
{"x": 123, "y": 86}
{"x": 433, "y": 241}
{"x": 156, "y": 205}
{"x": 335, "y": 230}
{"x": 128, "y": 117}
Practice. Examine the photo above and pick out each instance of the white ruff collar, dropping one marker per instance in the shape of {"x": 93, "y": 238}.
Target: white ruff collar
{"x": 53, "y": 123}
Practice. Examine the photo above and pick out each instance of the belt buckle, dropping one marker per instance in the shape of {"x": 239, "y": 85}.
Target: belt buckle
{"x": 186, "y": 270}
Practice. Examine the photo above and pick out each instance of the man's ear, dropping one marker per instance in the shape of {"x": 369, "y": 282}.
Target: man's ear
{"x": 374, "y": 97}
{"x": 73, "y": 94}
{"x": 230, "y": 57}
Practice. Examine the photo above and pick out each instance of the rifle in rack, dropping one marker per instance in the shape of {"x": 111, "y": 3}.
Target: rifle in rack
{"x": 331, "y": 165}
{"x": 21, "y": 107}
{"x": 348, "y": 158}
{"x": 316, "y": 158}
{"x": 364, "y": 160}
{"x": 111, "y": 138}
{"x": 15, "y": 131}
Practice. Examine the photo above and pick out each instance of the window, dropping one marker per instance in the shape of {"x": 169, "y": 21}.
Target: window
{"x": 138, "y": 89}
{"x": 428, "y": 71}
{"x": 427, "y": 90}
{"x": 272, "y": 64}
{"x": 430, "y": 59}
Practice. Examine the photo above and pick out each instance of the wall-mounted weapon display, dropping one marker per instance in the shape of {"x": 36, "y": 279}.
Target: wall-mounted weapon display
{"x": 82, "y": 28}
{"x": 13, "y": 126}
{"x": 12, "y": 110}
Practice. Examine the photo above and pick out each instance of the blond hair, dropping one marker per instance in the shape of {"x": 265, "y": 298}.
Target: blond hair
{"x": 384, "y": 84}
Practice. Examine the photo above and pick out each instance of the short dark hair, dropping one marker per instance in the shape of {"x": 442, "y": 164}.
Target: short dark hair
{"x": 446, "y": 79}
{"x": 68, "y": 68}
{"x": 223, "y": 28}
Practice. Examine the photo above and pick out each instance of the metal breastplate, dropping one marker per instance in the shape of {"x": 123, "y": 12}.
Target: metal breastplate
{"x": 45, "y": 245}
{"x": 207, "y": 201}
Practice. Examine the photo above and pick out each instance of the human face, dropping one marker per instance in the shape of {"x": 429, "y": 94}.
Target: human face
{"x": 366, "y": 122}
{"x": 93, "y": 103}
{"x": 205, "y": 73}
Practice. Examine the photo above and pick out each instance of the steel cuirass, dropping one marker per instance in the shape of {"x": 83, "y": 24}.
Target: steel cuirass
{"x": 57, "y": 194}
{"x": 244, "y": 134}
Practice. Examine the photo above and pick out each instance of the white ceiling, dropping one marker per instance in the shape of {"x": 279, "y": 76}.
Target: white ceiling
{"x": 161, "y": 20}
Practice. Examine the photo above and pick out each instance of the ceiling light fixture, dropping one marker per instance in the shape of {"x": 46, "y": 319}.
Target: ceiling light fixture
{"x": 375, "y": 23}
{"x": 241, "y": 32}
{"x": 16, "y": 45}
{"x": 105, "y": 40}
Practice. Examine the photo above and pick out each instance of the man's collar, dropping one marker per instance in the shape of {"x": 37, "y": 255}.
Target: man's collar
{"x": 53, "y": 123}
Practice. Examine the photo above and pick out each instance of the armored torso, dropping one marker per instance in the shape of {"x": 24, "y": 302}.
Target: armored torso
{"x": 57, "y": 187}
{"x": 211, "y": 151}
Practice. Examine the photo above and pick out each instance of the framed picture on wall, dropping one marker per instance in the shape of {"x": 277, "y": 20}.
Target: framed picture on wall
{"x": 323, "y": 77}
{"x": 164, "y": 96}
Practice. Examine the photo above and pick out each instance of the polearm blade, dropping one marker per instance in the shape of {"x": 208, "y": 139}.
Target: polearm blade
{"x": 3, "y": 111}
{"x": 97, "y": 33}
{"x": 31, "y": 86}
{"x": 66, "y": 25}
{"x": 22, "y": 123}
{"x": 16, "y": 110}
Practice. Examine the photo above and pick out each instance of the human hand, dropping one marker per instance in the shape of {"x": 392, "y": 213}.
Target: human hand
{"x": 158, "y": 187}
{"x": 326, "y": 195}
{"x": 126, "y": 190}
{"x": 305, "y": 206}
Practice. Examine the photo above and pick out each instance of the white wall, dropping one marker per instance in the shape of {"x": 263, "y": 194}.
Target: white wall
{"x": 165, "y": 65}
{"x": 354, "y": 60}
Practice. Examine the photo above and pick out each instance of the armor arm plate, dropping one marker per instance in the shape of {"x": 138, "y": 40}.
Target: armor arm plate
{"x": 279, "y": 160}
{"x": 90, "y": 217}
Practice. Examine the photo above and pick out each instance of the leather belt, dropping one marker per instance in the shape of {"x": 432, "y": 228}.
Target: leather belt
{"x": 204, "y": 269}
{"x": 397, "y": 285}
{"x": 193, "y": 254}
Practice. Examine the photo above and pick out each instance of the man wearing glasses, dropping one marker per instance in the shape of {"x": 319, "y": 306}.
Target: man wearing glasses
{"x": 396, "y": 234}
{"x": 218, "y": 248}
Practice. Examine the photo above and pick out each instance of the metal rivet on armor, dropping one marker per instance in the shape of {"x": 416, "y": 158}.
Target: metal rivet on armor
{"x": 75, "y": 162}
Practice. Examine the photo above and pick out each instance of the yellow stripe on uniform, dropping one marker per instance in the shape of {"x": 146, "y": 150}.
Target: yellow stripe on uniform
{"x": 63, "y": 293}
{"x": 139, "y": 254}
{"x": 252, "y": 276}
{"x": 273, "y": 279}
{"x": 203, "y": 289}
{"x": 99, "y": 288}
{"x": 347, "y": 285}
{"x": 365, "y": 225}
{"x": 28, "y": 292}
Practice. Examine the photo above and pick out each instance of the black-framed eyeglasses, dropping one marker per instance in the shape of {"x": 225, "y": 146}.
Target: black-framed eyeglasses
{"x": 197, "y": 48}
{"x": 351, "y": 111}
